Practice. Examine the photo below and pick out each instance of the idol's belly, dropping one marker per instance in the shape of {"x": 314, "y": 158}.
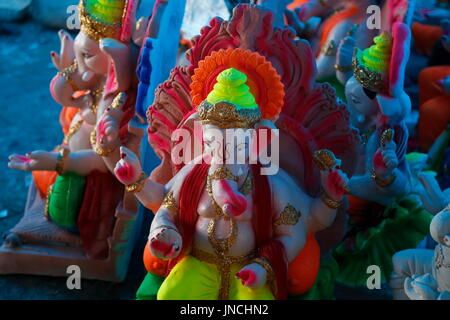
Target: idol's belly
{"x": 242, "y": 241}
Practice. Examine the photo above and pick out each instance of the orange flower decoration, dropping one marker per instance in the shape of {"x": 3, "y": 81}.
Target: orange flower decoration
{"x": 263, "y": 80}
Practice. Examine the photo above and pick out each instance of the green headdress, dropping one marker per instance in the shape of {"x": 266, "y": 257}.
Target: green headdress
{"x": 106, "y": 18}
{"x": 371, "y": 66}
{"x": 230, "y": 104}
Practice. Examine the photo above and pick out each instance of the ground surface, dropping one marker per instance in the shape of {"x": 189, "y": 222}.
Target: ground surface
{"x": 29, "y": 121}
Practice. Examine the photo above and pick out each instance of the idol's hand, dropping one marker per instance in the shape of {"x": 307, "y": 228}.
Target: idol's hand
{"x": 66, "y": 55}
{"x": 334, "y": 180}
{"x": 128, "y": 169}
{"x": 165, "y": 243}
{"x": 434, "y": 200}
{"x": 253, "y": 275}
{"x": 385, "y": 160}
{"x": 108, "y": 126}
{"x": 37, "y": 160}
{"x": 345, "y": 53}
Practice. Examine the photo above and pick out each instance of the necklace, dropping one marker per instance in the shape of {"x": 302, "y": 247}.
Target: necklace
{"x": 72, "y": 130}
{"x": 95, "y": 94}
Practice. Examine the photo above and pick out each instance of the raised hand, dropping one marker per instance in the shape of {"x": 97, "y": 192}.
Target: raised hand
{"x": 334, "y": 180}
{"x": 165, "y": 243}
{"x": 108, "y": 126}
{"x": 67, "y": 53}
{"x": 119, "y": 54}
{"x": 345, "y": 52}
{"x": 385, "y": 160}
{"x": 253, "y": 276}
{"x": 37, "y": 160}
{"x": 294, "y": 21}
{"x": 140, "y": 31}
{"x": 128, "y": 169}
{"x": 434, "y": 200}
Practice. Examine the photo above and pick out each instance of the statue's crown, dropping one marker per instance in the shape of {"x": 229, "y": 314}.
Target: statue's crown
{"x": 103, "y": 18}
{"x": 371, "y": 66}
{"x": 230, "y": 104}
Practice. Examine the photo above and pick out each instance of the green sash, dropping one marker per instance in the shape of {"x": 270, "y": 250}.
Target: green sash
{"x": 64, "y": 200}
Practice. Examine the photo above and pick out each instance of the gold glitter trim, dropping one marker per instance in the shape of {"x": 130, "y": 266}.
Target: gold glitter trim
{"x": 329, "y": 49}
{"x": 383, "y": 182}
{"x": 223, "y": 173}
{"x": 101, "y": 152}
{"x": 97, "y": 30}
{"x": 324, "y": 159}
{"x": 63, "y": 154}
{"x": 47, "y": 203}
{"x": 289, "y": 216}
{"x": 340, "y": 68}
{"x": 330, "y": 203}
{"x": 386, "y": 136}
{"x": 67, "y": 72}
{"x": 138, "y": 185}
{"x": 223, "y": 264}
{"x": 72, "y": 130}
{"x": 226, "y": 115}
{"x": 368, "y": 78}
{"x": 170, "y": 203}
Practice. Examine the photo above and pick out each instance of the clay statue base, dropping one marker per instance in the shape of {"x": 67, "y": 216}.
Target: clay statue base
{"x": 36, "y": 246}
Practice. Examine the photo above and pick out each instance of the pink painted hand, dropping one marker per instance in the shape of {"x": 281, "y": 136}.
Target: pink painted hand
{"x": 108, "y": 126}
{"x": 128, "y": 169}
{"x": 67, "y": 53}
{"x": 335, "y": 183}
{"x": 252, "y": 276}
{"x": 37, "y": 160}
{"x": 385, "y": 160}
{"x": 165, "y": 243}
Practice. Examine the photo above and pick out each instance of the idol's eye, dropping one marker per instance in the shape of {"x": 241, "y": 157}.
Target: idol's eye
{"x": 354, "y": 100}
{"x": 87, "y": 55}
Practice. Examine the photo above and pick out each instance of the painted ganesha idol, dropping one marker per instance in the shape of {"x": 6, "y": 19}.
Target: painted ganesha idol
{"x": 225, "y": 231}
{"x": 77, "y": 212}
{"x": 385, "y": 217}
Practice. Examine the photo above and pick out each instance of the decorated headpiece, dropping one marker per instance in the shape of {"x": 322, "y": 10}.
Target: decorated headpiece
{"x": 230, "y": 104}
{"x": 381, "y": 68}
{"x": 107, "y": 18}
{"x": 371, "y": 66}
{"x": 236, "y": 88}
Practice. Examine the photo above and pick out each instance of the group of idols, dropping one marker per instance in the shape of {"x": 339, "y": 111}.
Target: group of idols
{"x": 358, "y": 183}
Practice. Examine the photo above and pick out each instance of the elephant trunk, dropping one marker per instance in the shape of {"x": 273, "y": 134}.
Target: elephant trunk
{"x": 226, "y": 194}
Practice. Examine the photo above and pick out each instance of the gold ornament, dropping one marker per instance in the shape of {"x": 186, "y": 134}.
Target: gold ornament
{"x": 101, "y": 152}
{"x": 67, "y": 72}
{"x": 223, "y": 173}
{"x": 289, "y": 216}
{"x": 225, "y": 115}
{"x": 340, "y": 68}
{"x": 386, "y": 137}
{"x": 170, "y": 203}
{"x": 63, "y": 154}
{"x": 383, "y": 182}
{"x": 119, "y": 101}
{"x": 138, "y": 185}
{"x": 324, "y": 159}
{"x": 329, "y": 49}
{"x": 330, "y": 203}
